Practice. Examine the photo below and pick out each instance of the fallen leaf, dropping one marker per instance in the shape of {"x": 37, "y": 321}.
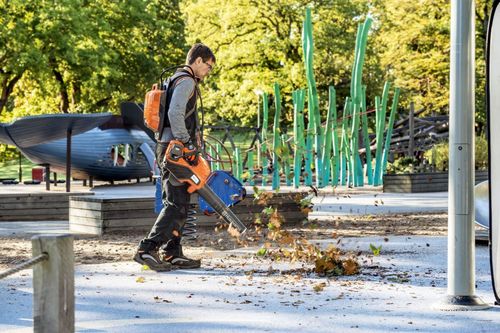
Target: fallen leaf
{"x": 319, "y": 287}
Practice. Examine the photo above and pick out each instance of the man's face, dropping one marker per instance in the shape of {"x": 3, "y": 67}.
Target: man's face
{"x": 203, "y": 68}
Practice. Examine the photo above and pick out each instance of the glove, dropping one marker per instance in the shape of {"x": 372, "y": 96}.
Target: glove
{"x": 190, "y": 153}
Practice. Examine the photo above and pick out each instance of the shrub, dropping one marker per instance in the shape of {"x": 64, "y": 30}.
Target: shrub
{"x": 439, "y": 154}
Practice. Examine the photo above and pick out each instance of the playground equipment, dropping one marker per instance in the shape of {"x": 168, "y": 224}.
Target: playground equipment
{"x": 482, "y": 204}
{"x": 325, "y": 154}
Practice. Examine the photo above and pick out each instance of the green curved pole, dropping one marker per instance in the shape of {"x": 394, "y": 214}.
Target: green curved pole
{"x": 276, "y": 137}
{"x": 357, "y": 93}
{"x": 389, "y": 131}
{"x": 343, "y": 143}
{"x": 327, "y": 146}
{"x": 312, "y": 102}
{"x": 251, "y": 174}
{"x": 265, "y": 154}
{"x": 366, "y": 138}
{"x": 218, "y": 149}
{"x": 286, "y": 158}
{"x": 379, "y": 138}
{"x": 298, "y": 134}
{"x": 238, "y": 163}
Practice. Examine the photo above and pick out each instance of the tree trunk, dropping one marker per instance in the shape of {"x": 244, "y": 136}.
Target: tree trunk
{"x": 76, "y": 95}
{"x": 63, "y": 92}
{"x": 7, "y": 88}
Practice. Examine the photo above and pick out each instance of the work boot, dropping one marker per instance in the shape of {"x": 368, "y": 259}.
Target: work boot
{"x": 171, "y": 252}
{"x": 181, "y": 262}
{"x": 152, "y": 260}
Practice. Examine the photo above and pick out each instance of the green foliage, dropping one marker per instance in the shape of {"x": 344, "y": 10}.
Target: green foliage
{"x": 402, "y": 165}
{"x": 84, "y": 56}
{"x": 375, "y": 250}
{"x": 413, "y": 41}
{"x": 8, "y": 153}
{"x": 87, "y": 56}
{"x": 439, "y": 154}
{"x": 261, "y": 252}
{"x": 10, "y": 169}
{"x": 481, "y": 153}
{"x": 268, "y": 211}
{"x": 258, "y": 43}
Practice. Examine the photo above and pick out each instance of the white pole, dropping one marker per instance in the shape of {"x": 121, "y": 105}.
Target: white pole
{"x": 461, "y": 241}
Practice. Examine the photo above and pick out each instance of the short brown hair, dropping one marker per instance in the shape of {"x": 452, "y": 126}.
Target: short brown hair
{"x": 199, "y": 50}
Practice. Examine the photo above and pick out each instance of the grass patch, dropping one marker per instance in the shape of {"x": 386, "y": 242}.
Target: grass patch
{"x": 10, "y": 169}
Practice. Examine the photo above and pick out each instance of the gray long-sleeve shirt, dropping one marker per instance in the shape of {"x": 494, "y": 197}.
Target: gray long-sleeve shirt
{"x": 177, "y": 111}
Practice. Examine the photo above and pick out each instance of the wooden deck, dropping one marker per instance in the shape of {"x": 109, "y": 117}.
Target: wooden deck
{"x": 101, "y": 214}
{"x": 41, "y": 206}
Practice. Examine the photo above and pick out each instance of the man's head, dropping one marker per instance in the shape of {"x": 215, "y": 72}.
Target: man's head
{"x": 201, "y": 59}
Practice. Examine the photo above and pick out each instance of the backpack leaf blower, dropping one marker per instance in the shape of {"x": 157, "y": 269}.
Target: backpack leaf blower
{"x": 195, "y": 175}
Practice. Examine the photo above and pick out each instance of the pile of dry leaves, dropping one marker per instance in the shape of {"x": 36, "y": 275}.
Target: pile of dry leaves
{"x": 279, "y": 244}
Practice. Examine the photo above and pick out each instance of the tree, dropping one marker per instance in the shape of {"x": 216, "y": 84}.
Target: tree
{"x": 483, "y": 10}
{"x": 258, "y": 43}
{"x": 85, "y": 56}
{"x": 15, "y": 31}
{"x": 414, "y": 43}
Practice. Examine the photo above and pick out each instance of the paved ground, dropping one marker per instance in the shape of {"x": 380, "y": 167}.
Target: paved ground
{"x": 379, "y": 203}
{"x": 237, "y": 292}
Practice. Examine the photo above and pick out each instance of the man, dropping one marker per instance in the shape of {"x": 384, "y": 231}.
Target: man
{"x": 161, "y": 250}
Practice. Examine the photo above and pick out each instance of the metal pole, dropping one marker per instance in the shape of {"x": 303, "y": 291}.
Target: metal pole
{"x": 20, "y": 167}
{"x": 47, "y": 176}
{"x": 68, "y": 161}
{"x": 461, "y": 241}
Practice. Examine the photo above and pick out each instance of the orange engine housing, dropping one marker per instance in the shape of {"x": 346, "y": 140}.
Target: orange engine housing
{"x": 194, "y": 175}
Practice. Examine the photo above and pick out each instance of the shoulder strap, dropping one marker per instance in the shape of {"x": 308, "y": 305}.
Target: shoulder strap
{"x": 186, "y": 71}
{"x": 181, "y": 78}
{"x": 190, "y": 72}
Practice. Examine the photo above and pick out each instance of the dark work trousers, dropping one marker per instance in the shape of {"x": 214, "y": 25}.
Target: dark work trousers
{"x": 172, "y": 217}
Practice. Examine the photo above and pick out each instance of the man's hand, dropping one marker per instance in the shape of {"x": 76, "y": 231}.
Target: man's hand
{"x": 190, "y": 153}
